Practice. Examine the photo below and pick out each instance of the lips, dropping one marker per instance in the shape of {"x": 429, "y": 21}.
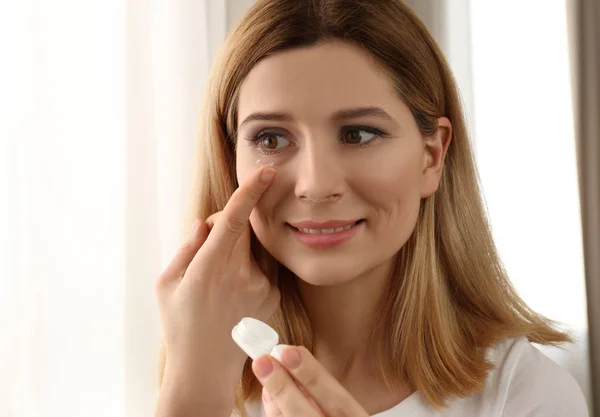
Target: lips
{"x": 325, "y": 238}
{"x": 325, "y": 228}
{"x": 332, "y": 224}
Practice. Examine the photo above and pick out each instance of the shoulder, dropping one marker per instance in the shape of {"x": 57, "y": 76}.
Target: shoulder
{"x": 532, "y": 384}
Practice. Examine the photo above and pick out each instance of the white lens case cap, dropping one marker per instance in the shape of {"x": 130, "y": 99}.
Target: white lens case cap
{"x": 254, "y": 337}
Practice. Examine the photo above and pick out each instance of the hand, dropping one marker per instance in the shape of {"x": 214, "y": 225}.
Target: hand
{"x": 212, "y": 282}
{"x": 299, "y": 386}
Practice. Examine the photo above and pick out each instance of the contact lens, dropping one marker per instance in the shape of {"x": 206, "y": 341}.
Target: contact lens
{"x": 260, "y": 162}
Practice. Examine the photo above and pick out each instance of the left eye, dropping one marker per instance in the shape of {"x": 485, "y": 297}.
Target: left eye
{"x": 359, "y": 136}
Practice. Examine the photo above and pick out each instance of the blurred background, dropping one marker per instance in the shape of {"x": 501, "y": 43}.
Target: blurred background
{"x": 99, "y": 106}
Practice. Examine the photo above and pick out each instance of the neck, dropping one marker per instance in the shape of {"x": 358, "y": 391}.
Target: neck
{"x": 342, "y": 318}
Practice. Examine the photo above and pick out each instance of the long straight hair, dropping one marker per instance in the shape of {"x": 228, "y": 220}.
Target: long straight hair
{"x": 449, "y": 296}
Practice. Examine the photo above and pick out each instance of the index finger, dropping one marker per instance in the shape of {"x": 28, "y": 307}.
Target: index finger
{"x": 234, "y": 218}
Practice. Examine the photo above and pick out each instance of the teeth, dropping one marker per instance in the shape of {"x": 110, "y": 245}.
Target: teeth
{"x": 326, "y": 231}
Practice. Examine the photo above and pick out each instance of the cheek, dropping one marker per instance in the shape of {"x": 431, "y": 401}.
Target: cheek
{"x": 243, "y": 167}
{"x": 392, "y": 180}
{"x": 392, "y": 190}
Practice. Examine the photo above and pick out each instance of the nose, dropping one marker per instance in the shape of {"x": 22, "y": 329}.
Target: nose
{"x": 319, "y": 173}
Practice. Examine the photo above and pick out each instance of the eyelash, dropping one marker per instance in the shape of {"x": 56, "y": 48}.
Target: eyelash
{"x": 255, "y": 138}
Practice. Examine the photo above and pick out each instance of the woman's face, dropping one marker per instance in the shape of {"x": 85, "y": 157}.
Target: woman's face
{"x": 345, "y": 148}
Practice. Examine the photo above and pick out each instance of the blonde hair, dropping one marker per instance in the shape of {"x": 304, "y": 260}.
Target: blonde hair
{"x": 450, "y": 298}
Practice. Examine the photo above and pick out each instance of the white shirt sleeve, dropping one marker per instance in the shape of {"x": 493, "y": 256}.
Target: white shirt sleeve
{"x": 539, "y": 387}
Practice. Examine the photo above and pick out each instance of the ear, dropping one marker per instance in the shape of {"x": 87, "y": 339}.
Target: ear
{"x": 436, "y": 147}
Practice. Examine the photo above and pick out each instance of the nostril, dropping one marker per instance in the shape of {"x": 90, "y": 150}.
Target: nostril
{"x": 329, "y": 198}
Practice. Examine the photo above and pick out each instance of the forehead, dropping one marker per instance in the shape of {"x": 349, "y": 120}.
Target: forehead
{"x": 317, "y": 80}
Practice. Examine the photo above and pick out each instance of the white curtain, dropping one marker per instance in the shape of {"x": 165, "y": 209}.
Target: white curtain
{"x": 524, "y": 140}
{"x": 528, "y": 169}
{"x": 98, "y": 118}
{"x": 526, "y": 152}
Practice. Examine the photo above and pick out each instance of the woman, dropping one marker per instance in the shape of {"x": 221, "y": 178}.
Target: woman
{"x": 366, "y": 247}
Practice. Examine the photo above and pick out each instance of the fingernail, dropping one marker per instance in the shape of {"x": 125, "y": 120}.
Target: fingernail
{"x": 194, "y": 227}
{"x": 262, "y": 367}
{"x": 276, "y": 352}
{"x": 267, "y": 175}
{"x": 291, "y": 358}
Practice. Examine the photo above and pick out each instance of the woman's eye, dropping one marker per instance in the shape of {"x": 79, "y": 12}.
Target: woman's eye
{"x": 360, "y": 136}
{"x": 267, "y": 142}
{"x": 271, "y": 142}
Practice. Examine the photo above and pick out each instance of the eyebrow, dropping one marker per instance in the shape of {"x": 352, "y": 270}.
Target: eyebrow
{"x": 343, "y": 114}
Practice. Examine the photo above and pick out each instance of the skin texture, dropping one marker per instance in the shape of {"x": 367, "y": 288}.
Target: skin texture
{"x": 332, "y": 169}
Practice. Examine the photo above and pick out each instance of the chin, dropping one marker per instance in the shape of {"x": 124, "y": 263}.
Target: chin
{"x": 322, "y": 273}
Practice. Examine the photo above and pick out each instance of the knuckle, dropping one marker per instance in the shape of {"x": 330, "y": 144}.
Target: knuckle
{"x": 235, "y": 226}
{"x": 158, "y": 289}
{"x": 242, "y": 280}
{"x": 255, "y": 194}
{"x": 186, "y": 248}
{"x": 279, "y": 390}
{"x": 210, "y": 221}
{"x": 159, "y": 283}
{"x": 263, "y": 286}
{"x": 307, "y": 372}
{"x": 308, "y": 376}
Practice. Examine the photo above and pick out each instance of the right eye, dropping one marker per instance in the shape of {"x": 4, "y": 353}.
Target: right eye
{"x": 269, "y": 142}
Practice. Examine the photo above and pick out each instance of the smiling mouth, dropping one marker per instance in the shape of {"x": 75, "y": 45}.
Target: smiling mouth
{"x": 327, "y": 231}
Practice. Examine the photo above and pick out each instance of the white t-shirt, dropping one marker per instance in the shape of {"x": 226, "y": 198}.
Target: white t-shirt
{"x": 525, "y": 383}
